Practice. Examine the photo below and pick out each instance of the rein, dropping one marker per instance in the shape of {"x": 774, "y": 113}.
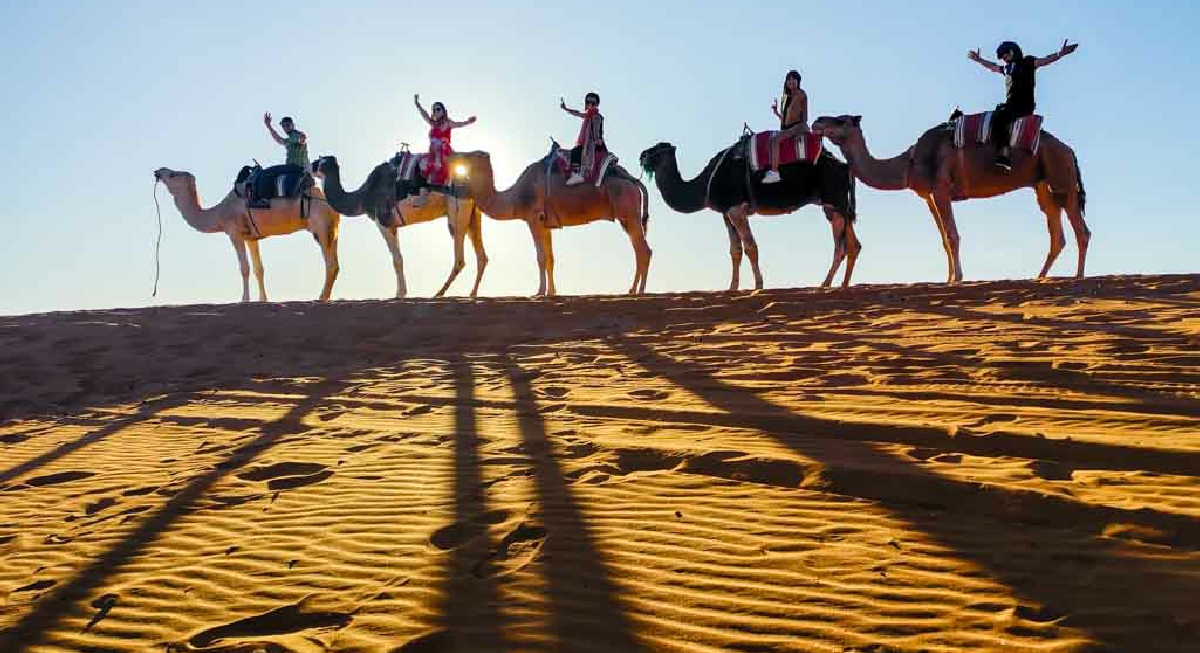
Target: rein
{"x": 158, "y": 240}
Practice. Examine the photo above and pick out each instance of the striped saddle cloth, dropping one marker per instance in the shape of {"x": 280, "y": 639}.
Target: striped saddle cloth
{"x": 805, "y": 148}
{"x": 977, "y": 128}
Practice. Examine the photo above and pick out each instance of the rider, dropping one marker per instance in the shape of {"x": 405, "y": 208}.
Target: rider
{"x": 590, "y": 141}
{"x": 793, "y": 119}
{"x": 296, "y": 142}
{"x": 1019, "y": 79}
{"x": 435, "y": 166}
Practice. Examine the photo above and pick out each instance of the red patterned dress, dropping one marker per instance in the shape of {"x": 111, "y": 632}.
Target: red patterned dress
{"x": 436, "y": 166}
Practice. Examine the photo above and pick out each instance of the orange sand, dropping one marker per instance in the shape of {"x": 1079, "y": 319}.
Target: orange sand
{"x": 996, "y": 467}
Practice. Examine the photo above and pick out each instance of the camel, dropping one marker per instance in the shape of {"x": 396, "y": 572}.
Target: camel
{"x": 537, "y": 196}
{"x": 377, "y": 198}
{"x": 737, "y": 194}
{"x": 941, "y": 174}
{"x": 246, "y": 229}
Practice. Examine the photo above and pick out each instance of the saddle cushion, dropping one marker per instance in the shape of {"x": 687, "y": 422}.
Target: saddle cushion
{"x": 601, "y": 164}
{"x": 804, "y": 148}
{"x": 976, "y": 128}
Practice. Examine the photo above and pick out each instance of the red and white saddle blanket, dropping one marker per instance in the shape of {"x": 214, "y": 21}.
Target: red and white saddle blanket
{"x": 407, "y": 165}
{"x": 805, "y": 148}
{"x": 595, "y": 176}
{"x": 977, "y": 128}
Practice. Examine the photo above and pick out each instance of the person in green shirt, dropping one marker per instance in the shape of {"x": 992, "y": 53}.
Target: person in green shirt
{"x": 296, "y": 141}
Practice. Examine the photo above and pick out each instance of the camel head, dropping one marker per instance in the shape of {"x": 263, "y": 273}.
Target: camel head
{"x": 174, "y": 180}
{"x": 323, "y": 164}
{"x": 654, "y": 157}
{"x": 837, "y": 128}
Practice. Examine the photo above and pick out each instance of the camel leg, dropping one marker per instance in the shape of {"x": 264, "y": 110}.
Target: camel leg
{"x": 239, "y": 247}
{"x": 641, "y": 254}
{"x": 739, "y": 216}
{"x": 853, "y": 248}
{"x": 941, "y": 227}
{"x": 458, "y": 231}
{"x": 256, "y": 260}
{"x": 837, "y": 222}
{"x": 545, "y": 257}
{"x": 327, "y": 240}
{"x": 1049, "y": 206}
{"x": 475, "y": 233}
{"x": 392, "y": 238}
{"x": 945, "y": 211}
{"x": 735, "y": 253}
{"x": 1083, "y": 235}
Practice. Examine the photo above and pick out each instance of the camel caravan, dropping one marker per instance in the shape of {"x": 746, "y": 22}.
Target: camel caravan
{"x": 768, "y": 173}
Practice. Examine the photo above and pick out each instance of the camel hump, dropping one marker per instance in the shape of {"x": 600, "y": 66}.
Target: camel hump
{"x": 976, "y": 129}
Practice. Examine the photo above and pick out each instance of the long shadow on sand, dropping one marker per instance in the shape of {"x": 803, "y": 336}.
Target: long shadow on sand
{"x": 470, "y": 612}
{"x": 586, "y": 614}
{"x": 32, "y": 629}
{"x": 1123, "y": 601}
{"x": 145, "y": 412}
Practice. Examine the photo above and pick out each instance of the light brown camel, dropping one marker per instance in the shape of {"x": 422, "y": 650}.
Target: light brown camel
{"x": 229, "y": 217}
{"x": 941, "y": 174}
{"x": 537, "y": 199}
{"x": 377, "y": 198}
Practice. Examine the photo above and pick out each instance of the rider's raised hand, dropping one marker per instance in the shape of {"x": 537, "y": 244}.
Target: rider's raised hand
{"x": 975, "y": 55}
{"x": 1068, "y": 48}
{"x": 267, "y": 118}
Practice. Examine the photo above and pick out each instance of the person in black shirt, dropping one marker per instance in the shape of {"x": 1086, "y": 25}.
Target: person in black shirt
{"x": 1019, "y": 73}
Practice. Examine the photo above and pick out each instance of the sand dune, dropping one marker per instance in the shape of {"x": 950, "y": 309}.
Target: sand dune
{"x": 1005, "y": 466}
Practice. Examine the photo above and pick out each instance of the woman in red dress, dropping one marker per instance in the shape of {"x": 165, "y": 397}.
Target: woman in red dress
{"x": 436, "y": 166}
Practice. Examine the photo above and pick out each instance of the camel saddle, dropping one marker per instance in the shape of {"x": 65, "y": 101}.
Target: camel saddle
{"x": 407, "y": 167}
{"x": 804, "y": 148}
{"x": 558, "y": 161}
{"x": 260, "y": 185}
{"x": 976, "y": 128}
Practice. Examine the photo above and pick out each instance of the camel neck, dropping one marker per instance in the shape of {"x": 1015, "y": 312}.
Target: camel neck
{"x": 203, "y": 220}
{"x": 341, "y": 201}
{"x": 683, "y": 196}
{"x": 881, "y": 174}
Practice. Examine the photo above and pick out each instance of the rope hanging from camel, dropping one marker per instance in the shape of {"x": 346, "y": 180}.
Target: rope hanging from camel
{"x": 158, "y": 240}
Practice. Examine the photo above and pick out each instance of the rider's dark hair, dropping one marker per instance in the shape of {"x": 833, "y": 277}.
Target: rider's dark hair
{"x": 592, "y": 96}
{"x": 791, "y": 74}
{"x": 1009, "y": 46}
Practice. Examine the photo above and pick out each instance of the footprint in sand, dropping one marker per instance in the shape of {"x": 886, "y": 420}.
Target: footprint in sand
{"x": 288, "y": 475}
{"x": 55, "y": 479}
{"x": 652, "y": 395}
{"x": 36, "y": 586}
{"x": 281, "y": 621}
{"x": 519, "y": 548}
{"x": 1051, "y": 471}
{"x": 556, "y": 391}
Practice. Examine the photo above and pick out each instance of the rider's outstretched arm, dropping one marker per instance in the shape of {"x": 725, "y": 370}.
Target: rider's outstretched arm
{"x": 1062, "y": 52}
{"x": 974, "y": 55}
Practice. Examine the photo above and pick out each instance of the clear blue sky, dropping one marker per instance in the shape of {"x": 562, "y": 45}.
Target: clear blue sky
{"x": 97, "y": 95}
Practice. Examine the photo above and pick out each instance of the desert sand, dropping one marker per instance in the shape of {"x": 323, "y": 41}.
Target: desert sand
{"x": 994, "y": 467}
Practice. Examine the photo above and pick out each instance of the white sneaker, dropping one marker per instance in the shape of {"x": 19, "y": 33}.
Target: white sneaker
{"x": 771, "y": 177}
{"x": 575, "y": 179}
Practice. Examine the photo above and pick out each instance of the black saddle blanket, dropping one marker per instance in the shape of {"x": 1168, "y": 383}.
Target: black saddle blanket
{"x": 260, "y": 185}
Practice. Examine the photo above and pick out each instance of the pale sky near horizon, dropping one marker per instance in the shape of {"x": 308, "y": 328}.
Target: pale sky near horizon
{"x": 98, "y": 95}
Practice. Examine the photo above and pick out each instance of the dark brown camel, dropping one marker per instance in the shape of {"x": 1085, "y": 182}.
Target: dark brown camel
{"x": 941, "y": 174}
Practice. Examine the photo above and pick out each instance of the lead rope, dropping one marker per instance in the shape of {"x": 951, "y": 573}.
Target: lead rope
{"x": 157, "y": 241}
